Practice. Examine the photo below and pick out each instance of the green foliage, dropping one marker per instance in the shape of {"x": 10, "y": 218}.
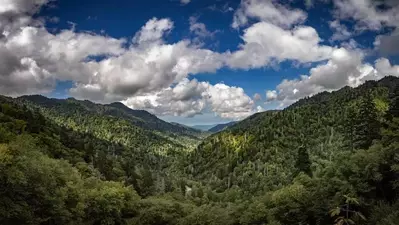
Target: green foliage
{"x": 303, "y": 162}
{"x": 37, "y": 189}
{"x": 329, "y": 159}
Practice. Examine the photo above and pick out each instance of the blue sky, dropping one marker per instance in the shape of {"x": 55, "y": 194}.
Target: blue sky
{"x": 198, "y": 61}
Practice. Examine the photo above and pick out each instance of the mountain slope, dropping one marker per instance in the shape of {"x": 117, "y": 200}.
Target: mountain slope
{"x": 326, "y": 159}
{"x": 221, "y": 127}
{"x": 114, "y": 122}
{"x": 203, "y": 127}
{"x": 260, "y": 153}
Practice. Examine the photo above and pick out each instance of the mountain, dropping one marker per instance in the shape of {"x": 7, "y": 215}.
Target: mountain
{"x": 203, "y": 127}
{"x": 327, "y": 159}
{"x": 315, "y": 155}
{"x": 270, "y": 140}
{"x": 214, "y": 127}
{"x": 221, "y": 127}
{"x": 122, "y": 123}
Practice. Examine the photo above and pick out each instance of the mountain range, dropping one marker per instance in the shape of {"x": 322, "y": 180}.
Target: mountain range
{"x": 327, "y": 159}
{"x": 214, "y": 127}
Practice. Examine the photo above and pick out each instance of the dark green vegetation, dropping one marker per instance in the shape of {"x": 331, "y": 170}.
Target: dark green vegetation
{"x": 329, "y": 159}
{"x": 221, "y": 127}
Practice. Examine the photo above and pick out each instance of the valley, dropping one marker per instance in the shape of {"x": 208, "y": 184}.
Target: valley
{"x": 327, "y": 159}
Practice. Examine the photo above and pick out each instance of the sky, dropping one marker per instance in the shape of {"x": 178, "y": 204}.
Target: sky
{"x": 195, "y": 61}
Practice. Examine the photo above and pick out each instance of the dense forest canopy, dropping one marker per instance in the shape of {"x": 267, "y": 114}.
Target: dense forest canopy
{"x": 332, "y": 158}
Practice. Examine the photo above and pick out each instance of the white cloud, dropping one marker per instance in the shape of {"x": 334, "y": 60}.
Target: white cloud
{"x": 62, "y": 55}
{"x": 21, "y": 6}
{"x": 147, "y": 73}
{"x": 341, "y": 32}
{"x": 264, "y": 42}
{"x": 271, "y": 95}
{"x": 17, "y": 13}
{"x": 25, "y": 78}
{"x": 388, "y": 44}
{"x": 259, "y": 109}
{"x": 230, "y": 102}
{"x": 147, "y": 65}
{"x": 346, "y": 67}
{"x": 150, "y": 69}
{"x": 257, "y": 97}
{"x": 153, "y": 31}
{"x": 185, "y": 2}
{"x": 267, "y": 11}
{"x": 223, "y": 9}
{"x": 368, "y": 13}
{"x": 189, "y": 98}
{"x": 384, "y": 67}
{"x": 199, "y": 29}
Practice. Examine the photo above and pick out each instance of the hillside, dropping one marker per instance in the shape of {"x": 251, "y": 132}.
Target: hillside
{"x": 328, "y": 159}
{"x": 269, "y": 141}
{"x": 220, "y": 127}
{"x": 203, "y": 127}
{"x": 122, "y": 124}
{"x": 330, "y": 136}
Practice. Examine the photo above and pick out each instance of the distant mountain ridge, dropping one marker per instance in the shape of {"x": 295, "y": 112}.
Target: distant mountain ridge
{"x": 78, "y": 162}
{"x": 214, "y": 128}
{"x": 222, "y": 126}
{"x": 203, "y": 127}
{"x": 81, "y": 114}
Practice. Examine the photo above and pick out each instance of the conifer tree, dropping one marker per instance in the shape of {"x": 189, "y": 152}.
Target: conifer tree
{"x": 366, "y": 126}
{"x": 303, "y": 163}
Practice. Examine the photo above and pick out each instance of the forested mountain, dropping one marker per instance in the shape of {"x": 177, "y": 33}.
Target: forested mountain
{"x": 203, "y": 127}
{"x": 215, "y": 127}
{"x": 114, "y": 122}
{"x": 332, "y": 158}
{"x": 321, "y": 152}
{"x": 221, "y": 127}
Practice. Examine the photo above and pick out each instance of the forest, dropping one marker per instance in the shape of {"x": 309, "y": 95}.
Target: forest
{"x": 332, "y": 158}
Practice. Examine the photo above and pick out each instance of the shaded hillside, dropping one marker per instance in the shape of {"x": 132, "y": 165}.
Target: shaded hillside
{"x": 114, "y": 122}
{"x": 203, "y": 127}
{"x": 259, "y": 153}
{"x": 329, "y": 159}
{"x": 221, "y": 127}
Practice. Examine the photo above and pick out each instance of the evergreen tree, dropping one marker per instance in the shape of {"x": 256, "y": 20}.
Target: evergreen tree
{"x": 303, "y": 163}
{"x": 367, "y": 126}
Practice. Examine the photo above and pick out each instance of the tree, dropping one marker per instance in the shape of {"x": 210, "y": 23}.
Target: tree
{"x": 303, "y": 162}
{"x": 367, "y": 126}
{"x": 346, "y": 214}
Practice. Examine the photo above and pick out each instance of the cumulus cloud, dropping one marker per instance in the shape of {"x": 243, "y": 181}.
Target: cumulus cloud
{"x": 257, "y": 97}
{"x": 17, "y": 13}
{"x": 268, "y": 11}
{"x": 150, "y": 69}
{"x": 148, "y": 73}
{"x": 271, "y": 95}
{"x": 34, "y": 59}
{"x": 388, "y": 44}
{"x": 368, "y": 13}
{"x": 384, "y": 67}
{"x": 190, "y": 97}
{"x": 341, "y": 32}
{"x": 153, "y": 31}
{"x": 199, "y": 29}
{"x": 264, "y": 42}
{"x": 346, "y": 67}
